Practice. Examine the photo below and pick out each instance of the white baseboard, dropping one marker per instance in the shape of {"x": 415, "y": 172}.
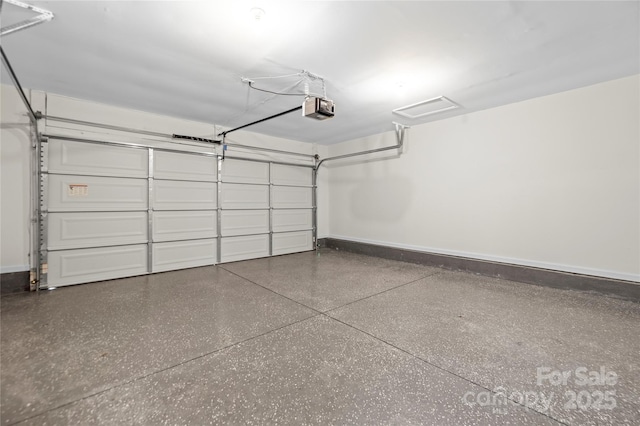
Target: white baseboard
{"x": 635, "y": 278}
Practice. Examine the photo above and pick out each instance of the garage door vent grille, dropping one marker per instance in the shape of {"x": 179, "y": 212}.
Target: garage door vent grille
{"x": 426, "y": 108}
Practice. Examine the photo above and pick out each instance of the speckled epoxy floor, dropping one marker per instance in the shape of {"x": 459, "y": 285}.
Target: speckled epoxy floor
{"x": 334, "y": 338}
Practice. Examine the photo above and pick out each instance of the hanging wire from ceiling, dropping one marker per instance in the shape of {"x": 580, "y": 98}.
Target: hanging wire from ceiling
{"x": 248, "y": 108}
{"x": 272, "y": 92}
{"x": 305, "y": 76}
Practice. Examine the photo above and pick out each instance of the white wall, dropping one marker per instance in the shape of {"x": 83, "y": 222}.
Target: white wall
{"x": 15, "y": 152}
{"x": 14, "y": 182}
{"x": 552, "y": 182}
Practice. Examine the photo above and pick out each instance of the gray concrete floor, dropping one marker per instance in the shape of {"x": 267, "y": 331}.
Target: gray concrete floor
{"x": 334, "y": 338}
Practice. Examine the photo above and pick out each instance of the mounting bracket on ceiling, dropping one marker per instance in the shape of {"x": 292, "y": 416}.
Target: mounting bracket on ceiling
{"x": 305, "y": 76}
{"x": 43, "y": 16}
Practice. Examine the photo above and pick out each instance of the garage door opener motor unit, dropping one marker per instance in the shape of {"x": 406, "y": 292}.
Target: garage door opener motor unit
{"x": 318, "y": 108}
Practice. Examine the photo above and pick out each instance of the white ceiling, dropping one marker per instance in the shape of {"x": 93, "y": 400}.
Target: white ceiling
{"x": 186, "y": 58}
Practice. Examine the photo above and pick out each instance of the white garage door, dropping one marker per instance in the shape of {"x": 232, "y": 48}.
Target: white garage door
{"x": 115, "y": 211}
{"x": 266, "y": 209}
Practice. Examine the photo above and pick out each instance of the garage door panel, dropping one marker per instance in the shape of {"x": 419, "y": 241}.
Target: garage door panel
{"x": 292, "y": 220}
{"x": 184, "y": 225}
{"x": 242, "y": 171}
{"x": 93, "y": 229}
{"x": 238, "y": 196}
{"x": 292, "y": 242}
{"x": 96, "y": 264}
{"x": 98, "y": 223}
{"x": 181, "y": 195}
{"x": 243, "y": 222}
{"x": 246, "y": 247}
{"x": 176, "y": 166}
{"x": 287, "y": 197}
{"x": 91, "y": 193}
{"x": 183, "y": 254}
{"x": 95, "y": 159}
{"x": 290, "y": 175}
